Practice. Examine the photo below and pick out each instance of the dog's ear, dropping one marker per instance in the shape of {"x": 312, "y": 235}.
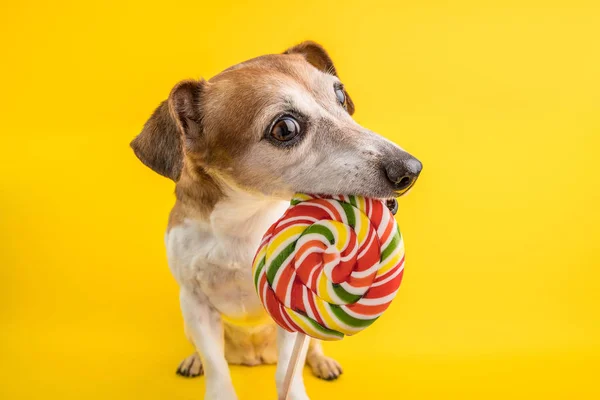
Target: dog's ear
{"x": 160, "y": 145}
{"x": 316, "y": 55}
{"x": 186, "y": 109}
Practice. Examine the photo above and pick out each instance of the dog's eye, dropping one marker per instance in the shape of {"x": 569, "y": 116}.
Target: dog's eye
{"x": 341, "y": 96}
{"x": 285, "y": 129}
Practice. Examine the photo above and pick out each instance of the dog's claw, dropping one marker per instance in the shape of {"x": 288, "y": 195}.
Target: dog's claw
{"x": 190, "y": 367}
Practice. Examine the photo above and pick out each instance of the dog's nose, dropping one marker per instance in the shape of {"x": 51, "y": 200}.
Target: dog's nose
{"x": 402, "y": 173}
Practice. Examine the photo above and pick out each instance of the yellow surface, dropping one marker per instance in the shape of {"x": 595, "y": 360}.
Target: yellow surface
{"x": 501, "y": 103}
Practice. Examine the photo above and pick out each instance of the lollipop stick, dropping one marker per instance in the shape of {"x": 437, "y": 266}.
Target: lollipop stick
{"x": 295, "y": 360}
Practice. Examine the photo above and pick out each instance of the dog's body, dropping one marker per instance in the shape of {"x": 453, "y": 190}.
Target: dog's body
{"x": 213, "y": 256}
{"x": 238, "y": 147}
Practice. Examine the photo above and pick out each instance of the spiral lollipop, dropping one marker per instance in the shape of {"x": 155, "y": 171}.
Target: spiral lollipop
{"x": 330, "y": 266}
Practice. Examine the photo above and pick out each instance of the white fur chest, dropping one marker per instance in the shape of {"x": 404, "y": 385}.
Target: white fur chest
{"x": 214, "y": 258}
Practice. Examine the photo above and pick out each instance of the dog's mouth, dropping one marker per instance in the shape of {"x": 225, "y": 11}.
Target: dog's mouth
{"x": 392, "y": 205}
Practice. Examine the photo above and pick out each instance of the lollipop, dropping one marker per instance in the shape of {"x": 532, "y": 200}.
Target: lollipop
{"x": 329, "y": 267}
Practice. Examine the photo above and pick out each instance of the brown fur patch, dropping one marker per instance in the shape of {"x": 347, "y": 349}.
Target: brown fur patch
{"x": 318, "y": 57}
{"x": 196, "y": 193}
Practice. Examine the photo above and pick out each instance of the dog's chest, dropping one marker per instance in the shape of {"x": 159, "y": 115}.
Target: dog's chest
{"x": 225, "y": 277}
{"x": 218, "y": 264}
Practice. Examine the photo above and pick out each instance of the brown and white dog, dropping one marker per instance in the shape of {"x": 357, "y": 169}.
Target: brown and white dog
{"x": 238, "y": 147}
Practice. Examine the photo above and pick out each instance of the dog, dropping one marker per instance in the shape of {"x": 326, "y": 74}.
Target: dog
{"x": 238, "y": 146}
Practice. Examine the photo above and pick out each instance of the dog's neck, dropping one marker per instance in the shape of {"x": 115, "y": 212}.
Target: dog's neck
{"x": 228, "y": 210}
{"x": 245, "y": 215}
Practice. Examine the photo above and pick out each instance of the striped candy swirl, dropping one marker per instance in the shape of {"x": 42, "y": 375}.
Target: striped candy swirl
{"x": 330, "y": 266}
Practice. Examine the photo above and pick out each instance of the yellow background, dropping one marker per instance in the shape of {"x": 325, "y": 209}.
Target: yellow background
{"x": 501, "y": 102}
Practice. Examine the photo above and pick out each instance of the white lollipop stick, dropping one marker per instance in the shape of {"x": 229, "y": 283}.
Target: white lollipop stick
{"x": 295, "y": 361}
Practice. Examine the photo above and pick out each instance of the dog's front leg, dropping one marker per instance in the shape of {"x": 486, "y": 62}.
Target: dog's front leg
{"x": 285, "y": 347}
{"x": 205, "y": 327}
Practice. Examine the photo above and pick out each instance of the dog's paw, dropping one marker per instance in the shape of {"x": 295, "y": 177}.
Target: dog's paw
{"x": 325, "y": 367}
{"x": 191, "y": 367}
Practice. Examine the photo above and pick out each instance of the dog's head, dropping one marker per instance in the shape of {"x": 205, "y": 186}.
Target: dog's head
{"x": 276, "y": 124}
